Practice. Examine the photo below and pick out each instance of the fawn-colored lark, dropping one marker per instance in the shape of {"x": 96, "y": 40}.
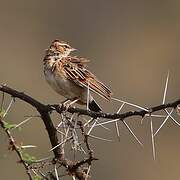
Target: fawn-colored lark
{"x": 69, "y": 77}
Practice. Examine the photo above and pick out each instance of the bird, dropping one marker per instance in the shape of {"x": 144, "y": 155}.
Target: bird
{"x": 68, "y": 76}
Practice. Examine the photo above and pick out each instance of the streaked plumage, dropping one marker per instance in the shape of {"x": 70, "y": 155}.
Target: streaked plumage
{"x": 68, "y": 75}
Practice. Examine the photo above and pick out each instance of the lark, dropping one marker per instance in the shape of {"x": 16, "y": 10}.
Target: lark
{"x": 69, "y": 76}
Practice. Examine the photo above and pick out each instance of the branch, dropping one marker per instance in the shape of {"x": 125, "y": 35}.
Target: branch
{"x": 74, "y": 168}
{"x": 122, "y": 116}
{"x": 16, "y": 148}
{"x": 48, "y": 108}
{"x": 42, "y": 109}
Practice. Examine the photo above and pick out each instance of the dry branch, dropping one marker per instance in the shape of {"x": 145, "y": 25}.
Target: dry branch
{"x": 48, "y": 108}
{"x": 74, "y": 168}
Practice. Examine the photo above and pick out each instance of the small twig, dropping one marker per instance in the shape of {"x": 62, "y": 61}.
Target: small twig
{"x": 15, "y": 148}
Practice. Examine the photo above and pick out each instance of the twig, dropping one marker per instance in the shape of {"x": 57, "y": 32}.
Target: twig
{"x": 16, "y": 148}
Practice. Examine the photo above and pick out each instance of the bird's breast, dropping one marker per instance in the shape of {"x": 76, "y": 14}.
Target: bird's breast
{"x": 57, "y": 79}
{"x": 49, "y": 72}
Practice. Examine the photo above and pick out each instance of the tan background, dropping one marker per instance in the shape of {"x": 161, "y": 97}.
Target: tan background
{"x": 131, "y": 44}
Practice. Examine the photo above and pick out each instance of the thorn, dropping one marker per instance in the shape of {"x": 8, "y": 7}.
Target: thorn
{"x": 88, "y": 122}
{"x": 92, "y": 127}
{"x": 56, "y": 173}
{"x": 142, "y": 120}
{"x": 176, "y": 122}
{"x": 152, "y": 139}
{"x": 73, "y": 178}
{"x": 107, "y": 122}
{"x": 155, "y": 115}
{"x": 104, "y": 127}
{"x": 165, "y": 89}
{"x": 23, "y": 122}
{"x": 8, "y": 108}
{"x": 87, "y": 174}
{"x": 88, "y": 95}
{"x": 131, "y": 104}
{"x": 28, "y": 146}
{"x": 60, "y": 143}
{"x": 127, "y": 126}
{"x": 116, "y": 122}
{"x": 99, "y": 138}
{"x": 122, "y": 105}
{"x": 117, "y": 130}
{"x": 163, "y": 123}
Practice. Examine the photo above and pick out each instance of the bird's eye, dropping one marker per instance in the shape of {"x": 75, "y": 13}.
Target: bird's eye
{"x": 66, "y": 46}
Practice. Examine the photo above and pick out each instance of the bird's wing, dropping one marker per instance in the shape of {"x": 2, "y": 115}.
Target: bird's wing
{"x": 77, "y": 72}
{"x": 78, "y": 60}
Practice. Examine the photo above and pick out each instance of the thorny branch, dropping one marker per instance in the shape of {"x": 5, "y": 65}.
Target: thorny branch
{"x": 14, "y": 147}
{"x": 74, "y": 168}
{"x": 48, "y": 108}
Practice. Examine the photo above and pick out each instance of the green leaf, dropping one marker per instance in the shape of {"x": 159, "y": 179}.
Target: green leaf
{"x": 37, "y": 177}
{"x": 28, "y": 158}
{"x": 2, "y": 112}
{"x": 8, "y": 126}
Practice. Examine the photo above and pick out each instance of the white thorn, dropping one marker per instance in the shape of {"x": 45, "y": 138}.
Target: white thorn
{"x": 127, "y": 126}
{"x": 89, "y": 121}
{"x": 116, "y": 122}
{"x": 60, "y": 143}
{"x": 91, "y": 128}
{"x": 107, "y": 122}
{"x": 8, "y": 108}
{"x": 152, "y": 139}
{"x": 176, "y": 122}
{"x": 73, "y": 178}
{"x": 165, "y": 89}
{"x": 56, "y": 173}
{"x": 23, "y": 122}
{"x": 88, "y": 94}
{"x": 99, "y": 138}
{"x": 131, "y": 104}
{"x": 104, "y": 127}
{"x": 28, "y": 146}
{"x": 163, "y": 123}
{"x": 88, "y": 172}
{"x": 117, "y": 130}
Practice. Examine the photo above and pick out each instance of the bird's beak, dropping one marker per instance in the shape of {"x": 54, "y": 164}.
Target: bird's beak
{"x": 73, "y": 49}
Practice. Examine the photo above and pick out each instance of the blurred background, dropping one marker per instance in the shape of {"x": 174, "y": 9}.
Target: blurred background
{"x": 131, "y": 44}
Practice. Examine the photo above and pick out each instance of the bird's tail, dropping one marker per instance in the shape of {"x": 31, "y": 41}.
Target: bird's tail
{"x": 93, "y": 106}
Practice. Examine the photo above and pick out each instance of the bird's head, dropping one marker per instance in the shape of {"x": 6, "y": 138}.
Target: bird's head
{"x": 61, "y": 47}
